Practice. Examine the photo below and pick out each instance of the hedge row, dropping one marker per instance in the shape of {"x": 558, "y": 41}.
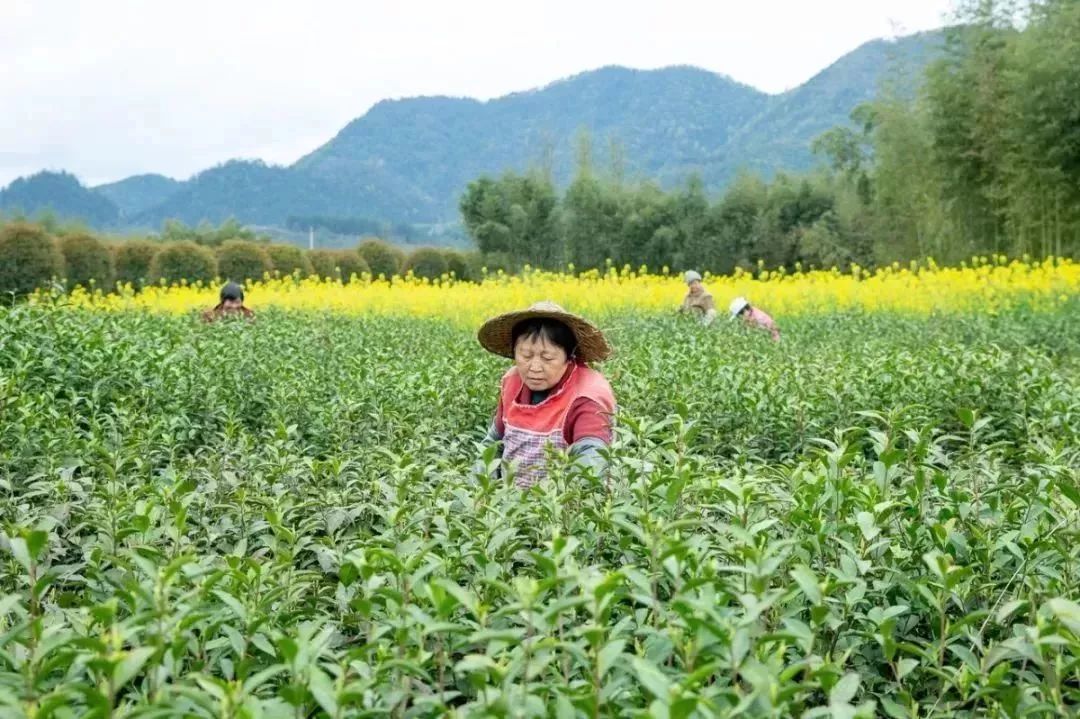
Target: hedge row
{"x": 30, "y": 258}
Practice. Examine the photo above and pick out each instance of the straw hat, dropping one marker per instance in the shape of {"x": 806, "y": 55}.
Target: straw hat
{"x": 496, "y": 335}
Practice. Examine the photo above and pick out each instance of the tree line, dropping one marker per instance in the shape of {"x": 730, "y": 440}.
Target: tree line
{"x": 983, "y": 158}
{"x": 35, "y": 256}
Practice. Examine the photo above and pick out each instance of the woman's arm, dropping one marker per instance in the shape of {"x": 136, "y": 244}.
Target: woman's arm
{"x": 586, "y": 452}
{"x": 588, "y": 431}
{"x": 709, "y": 306}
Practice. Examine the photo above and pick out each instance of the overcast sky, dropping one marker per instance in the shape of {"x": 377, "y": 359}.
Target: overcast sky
{"x": 111, "y": 88}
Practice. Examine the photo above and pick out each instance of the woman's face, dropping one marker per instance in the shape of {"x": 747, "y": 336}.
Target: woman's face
{"x": 695, "y": 287}
{"x": 231, "y": 305}
{"x": 540, "y": 362}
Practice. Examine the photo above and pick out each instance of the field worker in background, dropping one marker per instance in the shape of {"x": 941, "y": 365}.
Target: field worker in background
{"x": 697, "y": 299}
{"x": 231, "y": 304}
{"x": 753, "y": 317}
{"x": 550, "y": 397}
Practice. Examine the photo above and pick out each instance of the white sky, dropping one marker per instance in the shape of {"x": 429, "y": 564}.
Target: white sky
{"x": 111, "y": 88}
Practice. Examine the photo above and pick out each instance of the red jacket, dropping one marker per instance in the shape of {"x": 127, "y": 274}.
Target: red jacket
{"x": 580, "y": 406}
{"x": 217, "y": 313}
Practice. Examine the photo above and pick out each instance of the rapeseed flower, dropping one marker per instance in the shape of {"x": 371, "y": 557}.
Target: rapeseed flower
{"x": 985, "y": 284}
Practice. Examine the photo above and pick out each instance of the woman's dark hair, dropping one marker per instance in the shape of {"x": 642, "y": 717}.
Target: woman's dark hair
{"x": 232, "y": 291}
{"x": 542, "y": 329}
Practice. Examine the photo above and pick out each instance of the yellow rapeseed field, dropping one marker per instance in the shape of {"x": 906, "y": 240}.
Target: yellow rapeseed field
{"x": 985, "y": 284}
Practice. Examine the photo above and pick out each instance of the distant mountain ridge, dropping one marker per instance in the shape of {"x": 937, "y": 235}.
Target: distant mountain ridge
{"x": 139, "y": 193}
{"x": 62, "y": 194}
{"x": 658, "y": 117}
{"x": 409, "y": 160}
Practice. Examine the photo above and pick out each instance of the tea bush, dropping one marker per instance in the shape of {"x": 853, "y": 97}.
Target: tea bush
{"x": 243, "y": 261}
{"x": 427, "y": 263}
{"x": 287, "y": 259}
{"x": 383, "y": 258}
{"x": 132, "y": 260}
{"x": 458, "y": 263}
{"x": 29, "y": 259}
{"x": 86, "y": 261}
{"x": 878, "y": 516}
{"x": 177, "y": 261}
{"x": 337, "y": 264}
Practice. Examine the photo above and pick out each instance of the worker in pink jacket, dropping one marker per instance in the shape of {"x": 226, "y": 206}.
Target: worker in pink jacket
{"x": 754, "y": 317}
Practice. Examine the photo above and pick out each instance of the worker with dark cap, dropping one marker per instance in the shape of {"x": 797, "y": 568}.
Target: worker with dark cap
{"x": 231, "y": 304}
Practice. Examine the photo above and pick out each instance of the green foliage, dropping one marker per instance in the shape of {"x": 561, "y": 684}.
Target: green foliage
{"x": 242, "y": 261}
{"x": 492, "y": 263}
{"x": 515, "y": 215}
{"x": 592, "y": 218}
{"x": 29, "y": 258}
{"x": 87, "y": 261}
{"x": 428, "y": 263}
{"x": 1041, "y": 165}
{"x": 132, "y": 260}
{"x": 184, "y": 260}
{"x": 287, "y": 259}
{"x": 468, "y": 266}
{"x": 383, "y": 258}
{"x": 338, "y": 264}
{"x": 206, "y": 233}
{"x": 985, "y": 160}
{"x": 458, "y": 265}
{"x": 875, "y": 518}
{"x": 787, "y": 221}
{"x": 323, "y": 262}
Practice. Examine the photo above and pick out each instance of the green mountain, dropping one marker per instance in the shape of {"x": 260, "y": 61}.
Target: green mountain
{"x": 658, "y": 118}
{"x": 663, "y": 124}
{"x": 779, "y": 138}
{"x": 408, "y": 161}
{"x": 61, "y": 194}
{"x": 139, "y": 193}
{"x": 257, "y": 193}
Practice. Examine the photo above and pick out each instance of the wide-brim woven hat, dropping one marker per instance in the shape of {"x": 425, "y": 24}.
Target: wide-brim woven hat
{"x": 496, "y": 335}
